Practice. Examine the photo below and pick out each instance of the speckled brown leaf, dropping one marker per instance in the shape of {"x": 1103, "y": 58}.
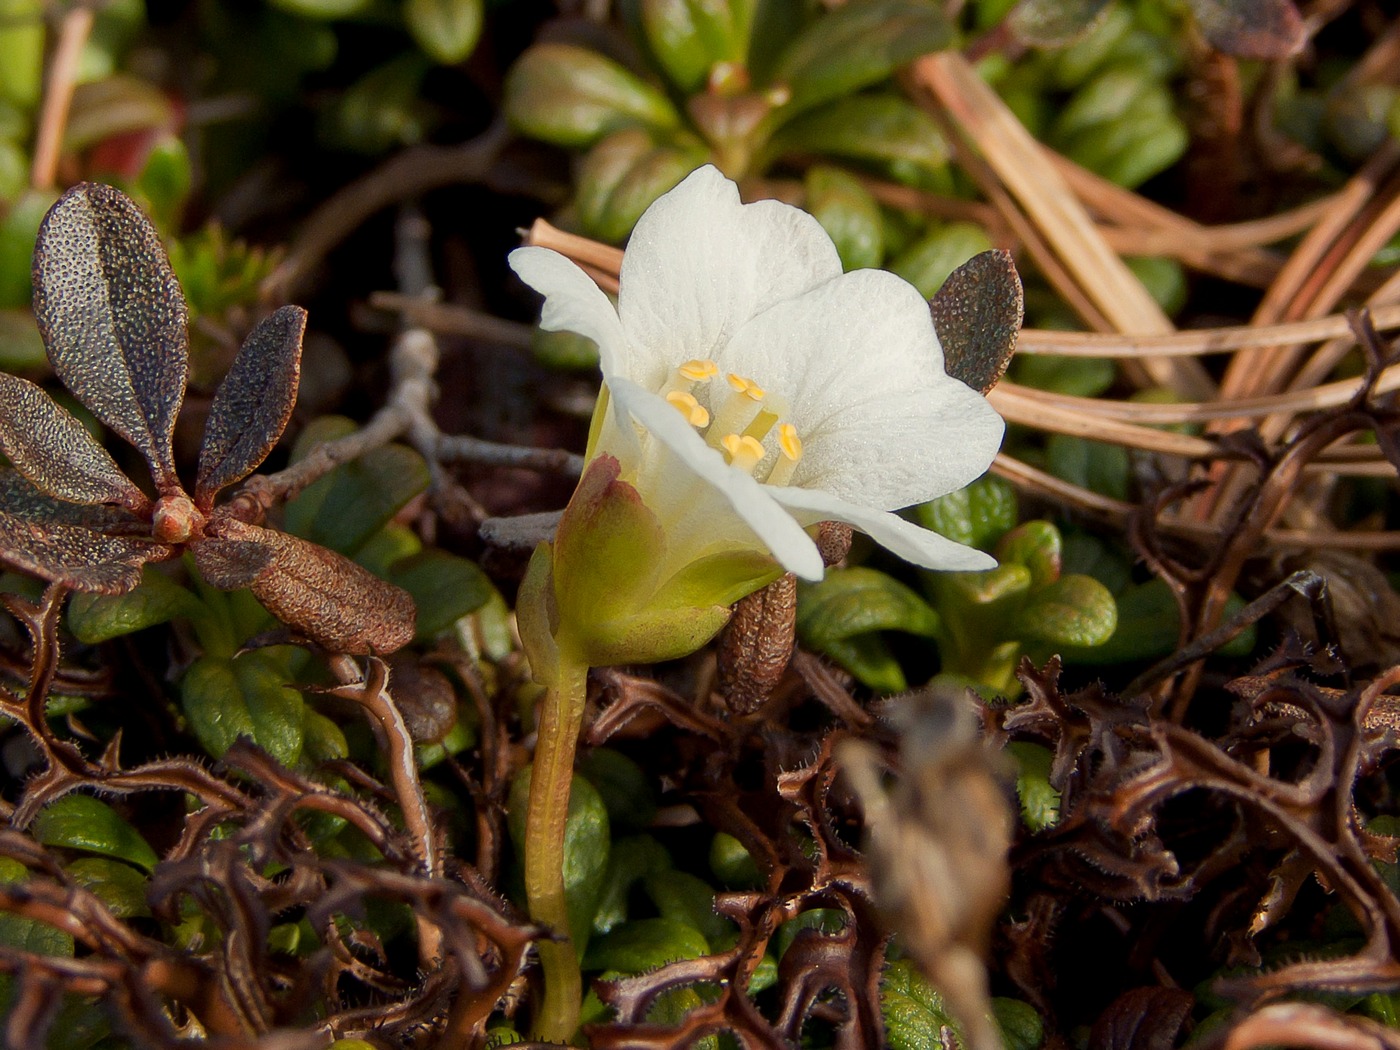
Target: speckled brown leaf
{"x": 231, "y": 564}
{"x": 1260, "y": 29}
{"x": 977, "y": 314}
{"x": 337, "y": 604}
{"x": 54, "y": 451}
{"x": 113, "y": 317}
{"x": 252, "y": 405}
{"x": 88, "y": 548}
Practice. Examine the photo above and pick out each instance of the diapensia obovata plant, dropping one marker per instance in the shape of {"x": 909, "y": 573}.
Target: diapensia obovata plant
{"x": 751, "y": 390}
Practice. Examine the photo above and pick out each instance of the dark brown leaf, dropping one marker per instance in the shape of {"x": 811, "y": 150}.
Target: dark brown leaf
{"x": 1251, "y": 28}
{"x": 337, "y": 604}
{"x": 54, "y": 451}
{"x": 231, "y": 564}
{"x": 70, "y": 543}
{"x": 113, "y": 317}
{"x": 252, "y": 405}
{"x": 977, "y": 314}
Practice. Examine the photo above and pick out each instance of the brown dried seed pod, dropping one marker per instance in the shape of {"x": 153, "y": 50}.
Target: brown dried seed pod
{"x": 757, "y": 644}
{"x": 833, "y": 541}
{"x": 425, "y": 697}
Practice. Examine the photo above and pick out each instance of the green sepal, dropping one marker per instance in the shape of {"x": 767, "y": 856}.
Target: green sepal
{"x": 607, "y": 551}
{"x": 81, "y": 822}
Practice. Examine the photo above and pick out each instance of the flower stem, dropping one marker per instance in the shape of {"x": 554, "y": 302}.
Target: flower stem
{"x": 561, "y": 718}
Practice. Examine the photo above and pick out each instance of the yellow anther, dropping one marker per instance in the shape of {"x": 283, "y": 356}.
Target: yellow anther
{"x": 747, "y": 387}
{"x": 694, "y": 412}
{"x": 697, "y": 370}
{"x": 743, "y": 452}
{"x": 789, "y": 442}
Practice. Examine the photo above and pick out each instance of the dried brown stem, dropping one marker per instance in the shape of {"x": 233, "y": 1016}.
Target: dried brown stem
{"x": 58, "y": 95}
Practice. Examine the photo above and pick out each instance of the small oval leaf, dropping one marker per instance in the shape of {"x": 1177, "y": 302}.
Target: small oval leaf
{"x": 68, "y": 543}
{"x": 252, "y": 405}
{"x": 84, "y": 823}
{"x": 250, "y": 696}
{"x": 94, "y": 618}
{"x": 337, "y": 604}
{"x": 53, "y": 450}
{"x": 113, "y": 317}
{"x": 977, "y": 314}
{"x": 446, "y": 29}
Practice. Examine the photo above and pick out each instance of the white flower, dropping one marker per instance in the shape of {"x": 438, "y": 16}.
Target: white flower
{"x": 751, "y": 389}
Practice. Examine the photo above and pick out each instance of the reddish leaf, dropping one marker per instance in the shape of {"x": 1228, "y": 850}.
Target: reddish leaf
{"x": 231, "y": 564}
{"x": 1052, "y": 23}
{"x": 54, "y": 451}
{"x": 88, "y": 548}
{"x": 252, "y": 405}
{"x": 1251, "y": 28}
{"x": 337, "y": 604}
{"x": 113, "y": 317}
{"x": 977, "y": 314}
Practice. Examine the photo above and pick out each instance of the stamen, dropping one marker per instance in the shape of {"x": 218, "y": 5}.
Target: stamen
{"x": 789, "y": 454}
{"x": 694, "y": 412}
{"x": 743, "y": 452}
{"x": 747, "y": 387}
{"x": 698, "y": 369}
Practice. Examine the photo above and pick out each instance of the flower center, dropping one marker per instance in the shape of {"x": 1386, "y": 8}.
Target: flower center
{"x": 738, "y": 417}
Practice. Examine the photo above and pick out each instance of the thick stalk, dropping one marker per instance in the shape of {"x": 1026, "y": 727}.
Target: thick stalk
{"x": 561, "y": 718}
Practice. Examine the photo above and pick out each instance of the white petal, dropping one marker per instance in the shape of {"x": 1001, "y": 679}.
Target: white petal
{"x": 572, "y": 302}
{"x": 903, "y": 538}
{"x": 881, "y": 423}
{"x": 699, "y": 264}
{"x": 774, "y": 528}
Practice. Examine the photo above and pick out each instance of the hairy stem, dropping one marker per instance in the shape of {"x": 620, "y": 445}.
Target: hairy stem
{"x": 561, "y": 717}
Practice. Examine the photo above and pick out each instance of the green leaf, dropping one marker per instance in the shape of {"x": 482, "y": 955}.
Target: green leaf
{"x": 630, "y": 860}
{"x": 1040, "y": 802}
{"x": 690, "y": 900}
{"x": 94, "y": 618}
{"x": 1077, "y": 376}
{"x": 249, "y": 696}
{"x": 625, "y": 789}
{"x": 645, "y": 944}
{"x": 21, "y": 348}
{"x": 1130, "y": 152}
{"x": 975, "y": 515}
{"x": 1053, "y": 23}
{"x": 688, "y": 37}
{"x": 28, "y": 935}
{"x": 345, "y": 508}
{"x": 19, "y": 231}
{"x": 81, "y": 822}
{"x": 445, "y": 588}
{"x": 1164, "y": 278}
{"x": 929, "y": 261}
{"x": 586, "y": 838}
{"x": 1036, "y": 545}
{"x": 572, "y": 97}
{"x": 383, "y": 109}
{"x": 1021, "y": 1027}
{"x": 884, "y": 130}
{"x": 914, "y": 1013}
{"x": 1094, "y": 465}
{"x": 623, "y": 175}
{"x": 322, "y": 10}
{"x": 858, "y": 600}
{"x": 446, "y": 29}
{"x": 856, "y": 45}
{"x": 868, "y": 658}
{"x": 119, "y": 886}
{"x": 165, "y": 179}
{"x": 1074, "y": 610}
{"x": 732, "y": 864}
{"x": 21, "y": 52}
{"x": 1115, "y": 93}
{"x": 848, "y": 213}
